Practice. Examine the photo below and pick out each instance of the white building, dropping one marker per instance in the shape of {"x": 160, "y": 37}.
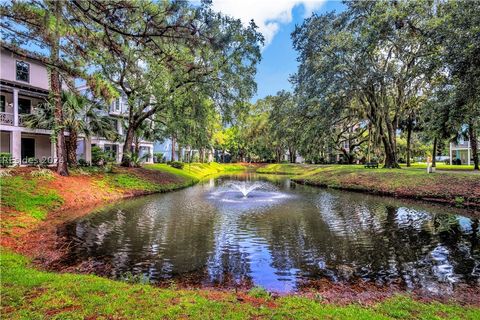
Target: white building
{"x": 24, "y": 83}
{"x": 462, "y": 151}
{"x": 118, "y": 110}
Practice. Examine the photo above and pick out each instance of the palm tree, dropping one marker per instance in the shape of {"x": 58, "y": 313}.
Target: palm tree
{"x": 80, "y": 116}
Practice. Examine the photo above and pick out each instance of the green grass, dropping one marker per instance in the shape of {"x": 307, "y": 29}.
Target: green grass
{"x": 286, "y": 168}
{"x": 440, "y": 166}
{"x": 197, "y": 171}
{"x": 23, "y": 194}
{"x": 28, "y": 293}
{"x": 127, "y": 181}
{"x": 461, "y": 189}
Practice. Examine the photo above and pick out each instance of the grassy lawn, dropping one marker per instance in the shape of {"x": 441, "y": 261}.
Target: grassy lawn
{"x": 451, "y": 187}
{"x": 286, "y": 168}
{"x": 440, "y": 166}
{"x": 22, "y": 193}
{"x": 31, "y": 294}
{"x": 197, "y": 171}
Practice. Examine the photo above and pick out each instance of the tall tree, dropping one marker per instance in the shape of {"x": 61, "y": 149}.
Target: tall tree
{"x": 373, "y": 52}
{"x": 154, "y": 51}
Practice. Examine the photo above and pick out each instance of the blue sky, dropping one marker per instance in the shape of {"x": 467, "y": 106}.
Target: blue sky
{"x": 279, "y": 57}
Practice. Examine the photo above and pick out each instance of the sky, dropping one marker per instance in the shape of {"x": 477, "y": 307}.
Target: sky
{"x": 276, "y": 20}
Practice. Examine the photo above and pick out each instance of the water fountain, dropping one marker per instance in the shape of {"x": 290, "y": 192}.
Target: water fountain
{"x": 246, "y": 195}
{"x": 245, "y": 188}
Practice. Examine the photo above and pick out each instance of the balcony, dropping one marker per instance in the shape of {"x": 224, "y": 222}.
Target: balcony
{"x": 461, "y": 145}
{"x": 6, "y": 118}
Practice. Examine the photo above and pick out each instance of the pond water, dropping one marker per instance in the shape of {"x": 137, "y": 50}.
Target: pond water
{"x": 271, "y": 232}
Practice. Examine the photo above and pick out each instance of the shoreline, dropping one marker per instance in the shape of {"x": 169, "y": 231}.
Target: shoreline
{"x": 454, "y": 189}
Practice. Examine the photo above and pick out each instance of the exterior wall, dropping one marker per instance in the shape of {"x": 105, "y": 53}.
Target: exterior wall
{"x": 38, "y": 72}
{"x": 462, "y": 151}
{"x": 43, "y": 146}
{"x": 4, "y": 141}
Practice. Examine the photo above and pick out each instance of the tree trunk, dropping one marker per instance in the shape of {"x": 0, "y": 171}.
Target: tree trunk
{"x": 62, "y": 168}
{"x": 127, "y": 147}
{"x": 409, "y": 138}
{"x": 173, "y": 148}
{"x": 72, "y": 148}
{"x": 202, "y": 155}
{"x": 390, "y": 154}
{"x": 179, "y": 153}
{"x": 434, "y": 153}
{"x": 473, "y": 145}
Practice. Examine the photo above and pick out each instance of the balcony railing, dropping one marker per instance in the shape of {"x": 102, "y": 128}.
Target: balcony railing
{"x": 21, "y": 120}
{"x": 6, "y": 118}
{"x": 462, "y": 144}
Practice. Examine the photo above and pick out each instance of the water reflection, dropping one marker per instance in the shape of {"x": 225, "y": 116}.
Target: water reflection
{"x": 305, "y": 234}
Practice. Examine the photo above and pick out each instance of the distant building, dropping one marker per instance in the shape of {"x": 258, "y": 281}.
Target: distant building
{"x": 462, "y": 151}
{"x": 117, "y": 110}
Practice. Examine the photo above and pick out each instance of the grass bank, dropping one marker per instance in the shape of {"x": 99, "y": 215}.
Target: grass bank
{"x": 197, "y": 171}
{"x": 28, "y": 293}
{"x": 462, "y": 189}
{"x": 29, "y": 195}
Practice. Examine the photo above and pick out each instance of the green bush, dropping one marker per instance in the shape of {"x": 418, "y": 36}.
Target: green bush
{"x": 177, "y": 164}
{"x": 83, "y": 163}
{"x": 100, "y": 157}
{"x": 158, "y": 157}
{"x": 5, "y": 159}
{"x": 42, "y": 173}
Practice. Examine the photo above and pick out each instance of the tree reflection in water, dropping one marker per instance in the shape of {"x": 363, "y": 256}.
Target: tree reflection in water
{"x": 309, "y": 234}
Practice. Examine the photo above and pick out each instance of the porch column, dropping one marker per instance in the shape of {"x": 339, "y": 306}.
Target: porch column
{"x": 16, "y": 146}
{"x": 119, "y": 153}
{"x": 53, "y": 152}
{"x": 15, "y": 107}
{"x": 88, "y": 149}
{"x": 451, "y": 154}
{"x": 468, "y": 152}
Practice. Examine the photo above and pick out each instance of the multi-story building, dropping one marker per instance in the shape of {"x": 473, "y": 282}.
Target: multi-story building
{"x": 118, "y": 111}
{"x": 24, "y": 84}
{"x": 462, "y": 151}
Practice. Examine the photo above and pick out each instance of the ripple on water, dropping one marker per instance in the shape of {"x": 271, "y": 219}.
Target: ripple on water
{"x": 279, "y": 236}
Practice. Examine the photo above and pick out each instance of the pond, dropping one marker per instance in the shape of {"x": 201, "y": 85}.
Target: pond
{"x": 270, "y": 232}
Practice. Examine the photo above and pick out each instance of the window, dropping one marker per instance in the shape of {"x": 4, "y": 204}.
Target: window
{"x": 2, "y": 103}
{"x": 23, "y": 71}
{"x": 24, "y": 106}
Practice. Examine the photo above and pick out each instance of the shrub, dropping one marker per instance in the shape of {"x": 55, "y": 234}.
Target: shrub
{"x": 259, "y": 292}
{"x": 158, "y": 157}
{"x": 42, "y": 173}
{"x": 5, "y": 173}
{"x": 83, "y": 163}
{"x": 99, "y": 157}
{"x": 177, "y": 164}
{"x": 5, "y": 159}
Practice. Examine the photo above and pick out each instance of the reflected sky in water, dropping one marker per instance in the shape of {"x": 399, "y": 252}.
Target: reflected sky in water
{"x": 281, "y": 236}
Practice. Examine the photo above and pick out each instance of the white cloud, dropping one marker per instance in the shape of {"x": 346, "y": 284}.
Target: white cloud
{"x": 267, "y": 14}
